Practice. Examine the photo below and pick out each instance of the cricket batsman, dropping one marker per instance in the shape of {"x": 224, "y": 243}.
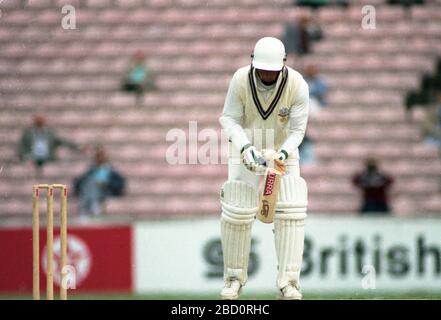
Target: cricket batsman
{"x": 264, "y": 116}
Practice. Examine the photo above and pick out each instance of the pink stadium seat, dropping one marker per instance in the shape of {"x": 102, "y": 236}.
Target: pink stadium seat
{"x": 190, "y": 3}
{"x": 175, "y": 16}
{"x": 12, "y": 4}
{"x": 326, "y": 47}
{"x": 17, "y": 18}
{"x": 120, "y": 100}
{"x": 294, "y": 13}
{"x": 390, "y": 14}
{"x": 54, "y": 169}
{"x": 422, "y": 46}
{"x": 61, "y": 3}
{"x": 75, "y": 76}
{"x": 93, "y": 33}
{"x": 402, "y": 206}
{"x": 124, "y": 33}
{"x": 333, "y": 205}
{"x": 425, "y": 13}
{"x": 160, "y": 3}
{"x": 144, "y": 16}
{"x": 13, "y": 51}
{"x": 48, "y": 18}
{"x": 328, "y": 186}
{"x": 330, "y": 14}
{"x": 47, "y": 51}
{"x": 30, "y": 67}
{"x": 111, "y": 17}
{"x": 130, "y": 3}
{"x": 432, "y": 204}
{"x": 59, "y": 67}
{"x": 339, "y": 30}
{"x": 99, "y": 3}
{"x": 412, "y": 63}
{"x": 90, "y": 67}
{"x": 186, "y": 31}
{"x": 39, "y": 4}
{"x": 6, "y": 34}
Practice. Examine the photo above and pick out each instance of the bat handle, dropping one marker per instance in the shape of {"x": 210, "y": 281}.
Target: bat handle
{"x": 261, "y": 161}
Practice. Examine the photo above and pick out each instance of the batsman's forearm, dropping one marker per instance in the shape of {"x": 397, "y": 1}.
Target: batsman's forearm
{"x": 234, "y": 131}
{"x": 298, "y": 119}
{"x": 293, "y": 141}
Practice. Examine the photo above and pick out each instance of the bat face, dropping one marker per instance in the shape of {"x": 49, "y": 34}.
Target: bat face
{"x": 269, "y": 190}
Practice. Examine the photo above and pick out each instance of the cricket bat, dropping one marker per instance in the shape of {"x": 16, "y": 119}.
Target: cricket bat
{"x": 269, "y": 191}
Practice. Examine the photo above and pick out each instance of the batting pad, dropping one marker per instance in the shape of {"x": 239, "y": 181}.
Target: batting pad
{"x": 239, "y": 203}
{"x": 289, "y": 233}
{"x": 293, "y": 197}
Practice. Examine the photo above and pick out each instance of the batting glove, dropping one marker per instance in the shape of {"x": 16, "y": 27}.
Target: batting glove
{"x": 253, "y": 159}
{"x": 282, "y": 155}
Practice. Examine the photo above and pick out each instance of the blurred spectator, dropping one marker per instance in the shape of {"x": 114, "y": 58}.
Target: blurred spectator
{"x": 319, "y": 3}
{"x": 318, "y": 88}
{"x": 413, "y": 99}
{"x": 100, "y": 181}
{"x": 138, "y": 78}
{"x": 432, "y": 124}
{"x": 426, "y": 94}
{"x": 307, "y": 152}
{"x": 298, "y": 36}
{"x": 375, "y": 185}
{"x": 39, "y": 144}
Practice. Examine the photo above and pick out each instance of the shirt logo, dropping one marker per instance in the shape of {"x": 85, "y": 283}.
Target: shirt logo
{"x": 283, "y": 114}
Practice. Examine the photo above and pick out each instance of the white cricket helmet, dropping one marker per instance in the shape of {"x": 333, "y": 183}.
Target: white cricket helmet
{"x": 269, "y": 54}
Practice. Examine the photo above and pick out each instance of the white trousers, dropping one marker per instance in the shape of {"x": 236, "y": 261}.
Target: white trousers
{"x": 288, "y": 224}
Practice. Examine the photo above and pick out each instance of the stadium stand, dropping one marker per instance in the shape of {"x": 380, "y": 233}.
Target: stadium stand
{"x": 73, "y": 76}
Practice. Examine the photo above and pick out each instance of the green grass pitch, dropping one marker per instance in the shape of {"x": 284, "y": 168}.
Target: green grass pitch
{"x": 244, "y": 296}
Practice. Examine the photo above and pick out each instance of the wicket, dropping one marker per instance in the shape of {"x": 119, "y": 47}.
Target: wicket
{"x": 50, "y": 239}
